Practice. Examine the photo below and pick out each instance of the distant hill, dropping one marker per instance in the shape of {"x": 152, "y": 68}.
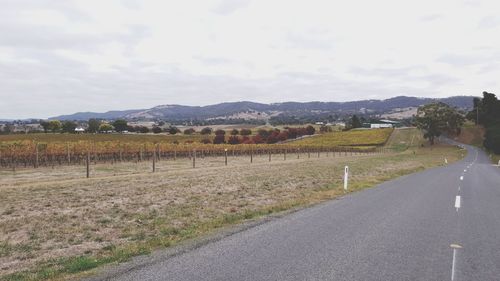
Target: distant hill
{"x": 253, "y": 110}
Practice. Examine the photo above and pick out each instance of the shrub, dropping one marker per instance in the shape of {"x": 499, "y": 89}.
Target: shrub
{"x": 234, "y": 140}
{"x": 189, "y": 131}
{"x": 220, "y": 132}
{"x": 206, "y": 131}
{"x": 245, "y": 132}
{"x": 219, "y": 139}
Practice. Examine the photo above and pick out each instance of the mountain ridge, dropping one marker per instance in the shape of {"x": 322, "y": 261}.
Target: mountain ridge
{"x": 228, "y": 109}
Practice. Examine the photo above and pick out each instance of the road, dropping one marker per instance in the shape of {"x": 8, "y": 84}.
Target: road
{"x": 411, "y": 228}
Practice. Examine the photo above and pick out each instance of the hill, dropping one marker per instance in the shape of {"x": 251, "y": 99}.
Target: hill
{"x": 253, "y": 110}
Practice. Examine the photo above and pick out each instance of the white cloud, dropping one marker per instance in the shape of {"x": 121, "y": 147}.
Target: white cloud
{"x": 59, "y": 57}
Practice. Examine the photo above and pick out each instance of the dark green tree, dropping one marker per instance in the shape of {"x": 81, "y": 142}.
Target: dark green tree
{"x": 437, "y": 118}
{"x": 54, "y": 126}
{"x": 120, "y": 125}
{"x": 355, "y": 122}
{"x": 68, "y": 127}
{"x": 93, "y": 125}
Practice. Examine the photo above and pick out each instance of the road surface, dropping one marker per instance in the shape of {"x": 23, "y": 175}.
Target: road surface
{"x": 412, "y": 228}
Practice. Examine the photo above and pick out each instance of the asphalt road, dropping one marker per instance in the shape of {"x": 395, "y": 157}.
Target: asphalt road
{"x": 400, "y": 230}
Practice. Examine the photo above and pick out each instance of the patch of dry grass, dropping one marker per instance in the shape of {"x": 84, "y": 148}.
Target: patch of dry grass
{"x": 52, "y": 227}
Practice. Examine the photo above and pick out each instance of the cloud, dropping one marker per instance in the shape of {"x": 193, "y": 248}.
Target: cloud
{"x": 490, "y": 22}
{"x": 226, "y": 7}
{"x": 59, "y": 57}
{"x": 432, "y": 17}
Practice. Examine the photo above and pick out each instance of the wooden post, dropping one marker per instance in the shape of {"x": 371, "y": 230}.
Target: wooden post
{"x": 225, "y": 156}
{"x": 88, "y": 163}
{"x": 284, "y": 154}
{"x": 140, "y": 154}
{"x": 251, "y": 155}
{"x": 319, "y": 152}
{"x": 298, "y": 153}
{"x": 175, "y": 154}
{"x": 308, "y": 153}
{"x": 269, "y": 155}
{"x": 68, "y": 153}
{"x": 36, "y": 155}
{"x": 194, "y": 158}
{"x": 154, "y": 159}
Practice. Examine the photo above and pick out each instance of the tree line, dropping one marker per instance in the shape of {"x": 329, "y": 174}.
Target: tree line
{"x": 486, "y": 112}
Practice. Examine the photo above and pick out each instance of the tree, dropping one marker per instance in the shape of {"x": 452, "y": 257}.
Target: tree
{"x": 142, "y": 129}
{"x": 355, "y": 122}
{"x": 156, "y": 130}
{"x": 93, "y": 125}
{"x": 437, "y": 118}
{"x": 45, "y": 125}
{"x": 245, "y": 132}
{"x": 173, "y": 130}
{"x": 234, "y": 132}
{"x": 68, "y": 127}
{"x": 310, "y": 130}
{"x": 487, "y": 113}
{"x": 189, "y": 131}
{"x": 54, "y": 126}
{"x": 105, "y": 127}
{"x": 120, "y": 125}
{"x": 234, "y": 140}
{"x": 220, "y": 132}
{"x": 206, "y": 131}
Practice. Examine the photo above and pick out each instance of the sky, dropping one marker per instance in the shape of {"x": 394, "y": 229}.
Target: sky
{"x": 65, "y": 56}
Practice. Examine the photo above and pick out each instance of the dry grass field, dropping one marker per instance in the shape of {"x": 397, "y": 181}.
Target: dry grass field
{"x": 56, "y": 224}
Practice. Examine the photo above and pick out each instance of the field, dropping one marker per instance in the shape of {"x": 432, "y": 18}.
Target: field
{"x": 24, "y": 151}
{"x": 370, "y": 138}
{"x": 56, "y": 224}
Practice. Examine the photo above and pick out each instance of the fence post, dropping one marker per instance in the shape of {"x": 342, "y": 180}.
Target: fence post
{"x": 194, "y": 158}
{"x": 269, "y": 155}
{"x": 251, "y": 155}
{"x": 154, "y": 159}
{"x": 68, "y": 153}
{"x": 284, "y": 154}
{"x": 298, "y": 153}
{"x": 36, "y": 155}
{"x": 225, "y": 156}
{"x": 88, "y": 163}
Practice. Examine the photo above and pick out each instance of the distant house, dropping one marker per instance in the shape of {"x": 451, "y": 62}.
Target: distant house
{"x": 79, "y": 130}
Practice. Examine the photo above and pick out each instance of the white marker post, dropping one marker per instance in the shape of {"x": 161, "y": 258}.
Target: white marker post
{"x": 457, "y": 202}
{"x": 346, "y": 177}
{"x": 445, "y": 161}
{"x": 461, "y": 178}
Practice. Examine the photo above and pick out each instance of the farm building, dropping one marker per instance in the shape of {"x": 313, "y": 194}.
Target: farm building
{"x": 381, "y": 124}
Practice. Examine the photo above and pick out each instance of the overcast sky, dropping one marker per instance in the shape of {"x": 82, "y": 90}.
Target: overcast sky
{"x": 60, "y": 57}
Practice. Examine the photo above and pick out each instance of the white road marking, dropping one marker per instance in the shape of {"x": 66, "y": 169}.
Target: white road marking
{"x": 457, "y": 202}
{"x": 453, "y": 264}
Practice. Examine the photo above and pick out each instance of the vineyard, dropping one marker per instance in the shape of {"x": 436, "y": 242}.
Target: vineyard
{"x": 82, "y": 149}
{"x": 354, "y": 138}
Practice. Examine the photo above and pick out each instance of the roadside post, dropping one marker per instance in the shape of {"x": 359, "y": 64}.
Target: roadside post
{"x": 346, "y": 177}
{"x": 225, "y": 156}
